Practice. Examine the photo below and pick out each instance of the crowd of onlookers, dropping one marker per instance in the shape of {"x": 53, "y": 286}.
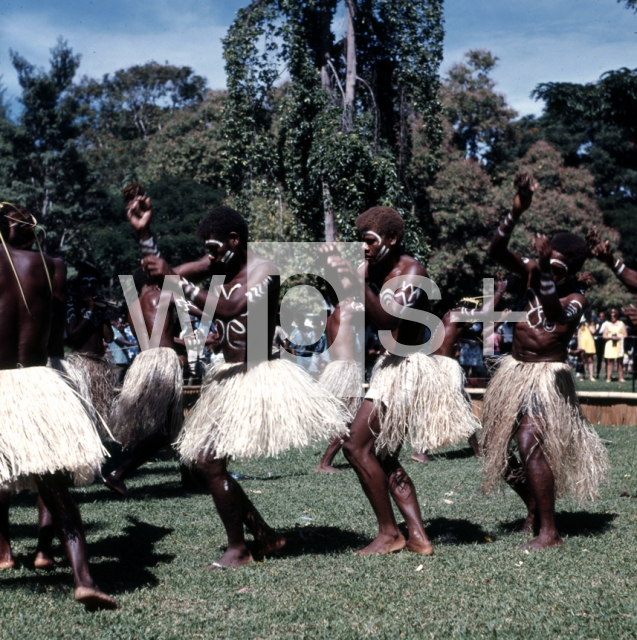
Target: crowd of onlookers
{"x": 602, "y": 345}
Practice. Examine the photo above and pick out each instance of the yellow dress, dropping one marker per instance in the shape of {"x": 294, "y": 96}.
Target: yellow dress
{"x": 614, "y": 348}
{"x": 585, "y": 338}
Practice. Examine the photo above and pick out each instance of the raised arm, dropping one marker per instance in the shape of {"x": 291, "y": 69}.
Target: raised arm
{"x": 499, "y": 247}
{"x": 604, "y": 253}
{"x": 565, "y": 311}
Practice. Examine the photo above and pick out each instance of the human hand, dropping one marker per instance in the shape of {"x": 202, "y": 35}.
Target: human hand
{"x": 631, "y": 314}
{"x": 157, "y": 266}
{"x": 526, "y": 187}
{"x": 604, "y": 253}
{"x": 139, "y": 213}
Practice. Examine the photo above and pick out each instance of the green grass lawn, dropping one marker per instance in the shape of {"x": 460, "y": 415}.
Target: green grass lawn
{"x": 150, "y": 552}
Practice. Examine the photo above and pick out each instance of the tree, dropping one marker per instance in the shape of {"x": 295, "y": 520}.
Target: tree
{"x": 337, "y": 137}
{"x": 473, "y": 192}
{"x": 48, "y": 174}
{"x": 594, "y": 125}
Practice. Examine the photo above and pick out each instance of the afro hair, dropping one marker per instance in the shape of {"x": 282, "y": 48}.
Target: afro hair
{"x": 222, "y": 221}
{"x": 573, "y": 248}
{"x": 385, "y": 221}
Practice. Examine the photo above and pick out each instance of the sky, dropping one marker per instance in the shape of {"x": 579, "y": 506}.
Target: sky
{"x": 537, "y": 41}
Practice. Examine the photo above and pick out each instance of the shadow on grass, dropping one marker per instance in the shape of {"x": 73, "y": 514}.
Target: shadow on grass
{"x": 451, "y": 531}
{"x": 571, "y": 523}
{"x": 118, "y": 563}
{"x": 320, "y": 541}
{"x": 455, "y": 454}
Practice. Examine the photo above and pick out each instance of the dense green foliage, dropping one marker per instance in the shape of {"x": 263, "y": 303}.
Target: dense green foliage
{"x": 150, "y": 552}
{"x": 306, "y": 146}
{"x": 294, "y": 152}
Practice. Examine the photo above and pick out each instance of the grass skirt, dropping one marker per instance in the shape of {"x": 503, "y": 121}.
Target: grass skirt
{"x": 261, "y": 411}
{"x": 99, "y": 378}
{"x": 44, "y": 428}
{"x": 151, "y": 399}
{"x": 413, "y": 396}
{"x": 461, "y": 410}
{"x": 546, "y": 391}
{"x": 343, "y": 379}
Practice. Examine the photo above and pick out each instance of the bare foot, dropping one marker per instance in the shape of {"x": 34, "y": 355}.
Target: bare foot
{"x": 418, "y": 545}
{"x": 7, "y": 563}
{"x": 231, "y": 558}
{"x": 384, "y": 544}
{"x": 93, "y": 598}
{"x": 268, "y": 545}
{"x": 543, "y": 542}
{"x": 44, "y": 561}
{"x": 526, "y": 526}
{"x": 420, "y": 457}
{"x": 116, "y": 485}
{"x": 327, "y": 469}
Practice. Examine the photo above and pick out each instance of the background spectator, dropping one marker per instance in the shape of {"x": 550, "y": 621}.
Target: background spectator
{"x": 614, "y": 334}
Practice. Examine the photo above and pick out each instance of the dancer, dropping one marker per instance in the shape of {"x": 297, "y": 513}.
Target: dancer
{"x": 148, "y": 412}
{"x": 243, "y": 412}
{"x": 531, "y": 401}
{"x": 404, "y": 394}
{"x": 88, "y": 330}
{"x": 603, "y": 251}
{"x": 445, "y": 356}
{"x": 41, "y": 441}
{"x": 342, "y": 376}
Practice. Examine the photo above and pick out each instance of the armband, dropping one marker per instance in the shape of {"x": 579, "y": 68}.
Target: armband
{"x": 547, "y": 286}
{"x": 619, "y": 266}
{"x": 191, "y": 291}
{"x": 149, "y": 247}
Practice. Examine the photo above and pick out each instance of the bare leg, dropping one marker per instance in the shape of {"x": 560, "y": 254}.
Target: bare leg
{"x": 359, "y": 451}
{"x": 609, "y": 370}
{"x": 325, "y": 465}
{"x": 68, "y": 526}
{"x": 140, "y": 453}
{"x": 404, "y": 494}
{"x": 6, "y": 557}
{"x": 620, "y": 369}
{"x": 46, "y": 531}
{"x": 235, "y": 509}
{"x": 475, "y": 446}
{"x": 541, "y": 485}
{"x": 591, "y": 367}
{"x": 420, "y": 457}
{"x": 516, "y": 479}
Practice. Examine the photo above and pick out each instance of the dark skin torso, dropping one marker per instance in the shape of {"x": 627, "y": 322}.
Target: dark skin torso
{"x": 403, "y": 331}
{"x": 86, "y": 335}
{"x": 547, "y": 341}
{"x": 230, "y": 317}
{"x": 29, "y": 339}
{"x": 149, "y": 301}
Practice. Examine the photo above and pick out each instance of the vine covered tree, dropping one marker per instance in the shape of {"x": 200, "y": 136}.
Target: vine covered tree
{"x": 336, "y": 137}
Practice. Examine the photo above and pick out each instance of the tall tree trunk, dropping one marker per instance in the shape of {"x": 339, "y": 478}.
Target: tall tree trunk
{"x": 328, "y": 213}
{"x": 324, "y": 52}
{"x": 350, "y": 74}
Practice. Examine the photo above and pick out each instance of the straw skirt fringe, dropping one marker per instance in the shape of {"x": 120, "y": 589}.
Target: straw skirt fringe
{"x": 413, "y": 396}
{"x": 100, "y": 379}
{"x": 260, "y": 411}
{"x": 151, "y": 399}
{"x": 461, "y": 407}
{"x": 44, "y": 428}
{"x": 344, "y": 379}
{"x": 546, "y": 391}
